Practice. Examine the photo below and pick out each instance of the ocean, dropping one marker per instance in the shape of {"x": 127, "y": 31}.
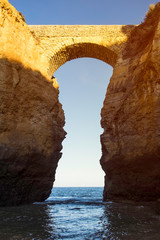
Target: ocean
{"x": 80, "y": 213}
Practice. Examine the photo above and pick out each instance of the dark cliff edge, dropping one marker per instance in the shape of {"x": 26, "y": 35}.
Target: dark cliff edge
{"x": 130, "y": 118}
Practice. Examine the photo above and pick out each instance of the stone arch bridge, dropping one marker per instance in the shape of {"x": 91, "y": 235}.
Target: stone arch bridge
{"x": 62, "y": 43}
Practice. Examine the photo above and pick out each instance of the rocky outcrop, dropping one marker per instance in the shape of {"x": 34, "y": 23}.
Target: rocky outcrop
{"x": 31, "y": 117}
{"x": 131, "y": 117}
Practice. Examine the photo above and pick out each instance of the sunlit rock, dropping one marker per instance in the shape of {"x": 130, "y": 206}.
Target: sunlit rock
{"x": 31, "y": 117}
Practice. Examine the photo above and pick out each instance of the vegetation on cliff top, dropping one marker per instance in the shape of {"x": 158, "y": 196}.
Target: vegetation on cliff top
{"x": 151, "y": 8}
{"x": 22, "y": 17}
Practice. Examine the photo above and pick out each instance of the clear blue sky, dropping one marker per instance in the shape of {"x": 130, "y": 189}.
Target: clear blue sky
{"x": 83, "y": 82}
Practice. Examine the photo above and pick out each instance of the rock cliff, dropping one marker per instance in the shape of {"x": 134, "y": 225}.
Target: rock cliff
{"x": 31, "y": 117}
{"x": 131, "y": 117}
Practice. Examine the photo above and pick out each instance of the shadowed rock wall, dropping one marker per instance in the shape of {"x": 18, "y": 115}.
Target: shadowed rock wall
{"x": 131, "y": 117}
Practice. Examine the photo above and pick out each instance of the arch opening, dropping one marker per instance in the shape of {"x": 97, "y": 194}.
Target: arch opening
{"x": 83, "y": 83}
{"x": 80, "y": 50}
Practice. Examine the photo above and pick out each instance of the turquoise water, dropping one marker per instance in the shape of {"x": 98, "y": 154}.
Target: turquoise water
{"x": 79, "y": 213}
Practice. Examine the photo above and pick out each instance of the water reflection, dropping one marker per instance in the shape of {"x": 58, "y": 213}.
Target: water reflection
{"x": 80, "y": 220}
{"x": 131, "y": 222}
{"x": 27, "y": 222}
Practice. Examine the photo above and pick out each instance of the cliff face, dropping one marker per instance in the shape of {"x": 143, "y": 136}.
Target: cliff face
{"x": 131, "y": 117}
{"x": 31, "y": 117}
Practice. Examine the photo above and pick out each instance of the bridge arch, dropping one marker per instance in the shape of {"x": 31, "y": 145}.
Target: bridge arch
{"x": 79, "y": 50}
{"x": 64, "y": 43}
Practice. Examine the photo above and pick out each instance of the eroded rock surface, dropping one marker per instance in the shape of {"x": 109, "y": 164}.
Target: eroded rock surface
{"x": 131, "y": 118}
{"x": 31, "y": 117}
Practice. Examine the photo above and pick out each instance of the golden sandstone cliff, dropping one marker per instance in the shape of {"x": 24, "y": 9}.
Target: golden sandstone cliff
{"x": 131, "y": 117}
{"x": 32, "y": 119}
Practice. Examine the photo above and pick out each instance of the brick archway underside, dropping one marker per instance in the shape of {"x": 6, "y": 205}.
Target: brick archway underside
{"x": 81, "y": 50}
{"x": 64, "y": 43}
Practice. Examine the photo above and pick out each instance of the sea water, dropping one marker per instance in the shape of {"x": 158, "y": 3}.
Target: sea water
{"x": 80, "y": 213}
